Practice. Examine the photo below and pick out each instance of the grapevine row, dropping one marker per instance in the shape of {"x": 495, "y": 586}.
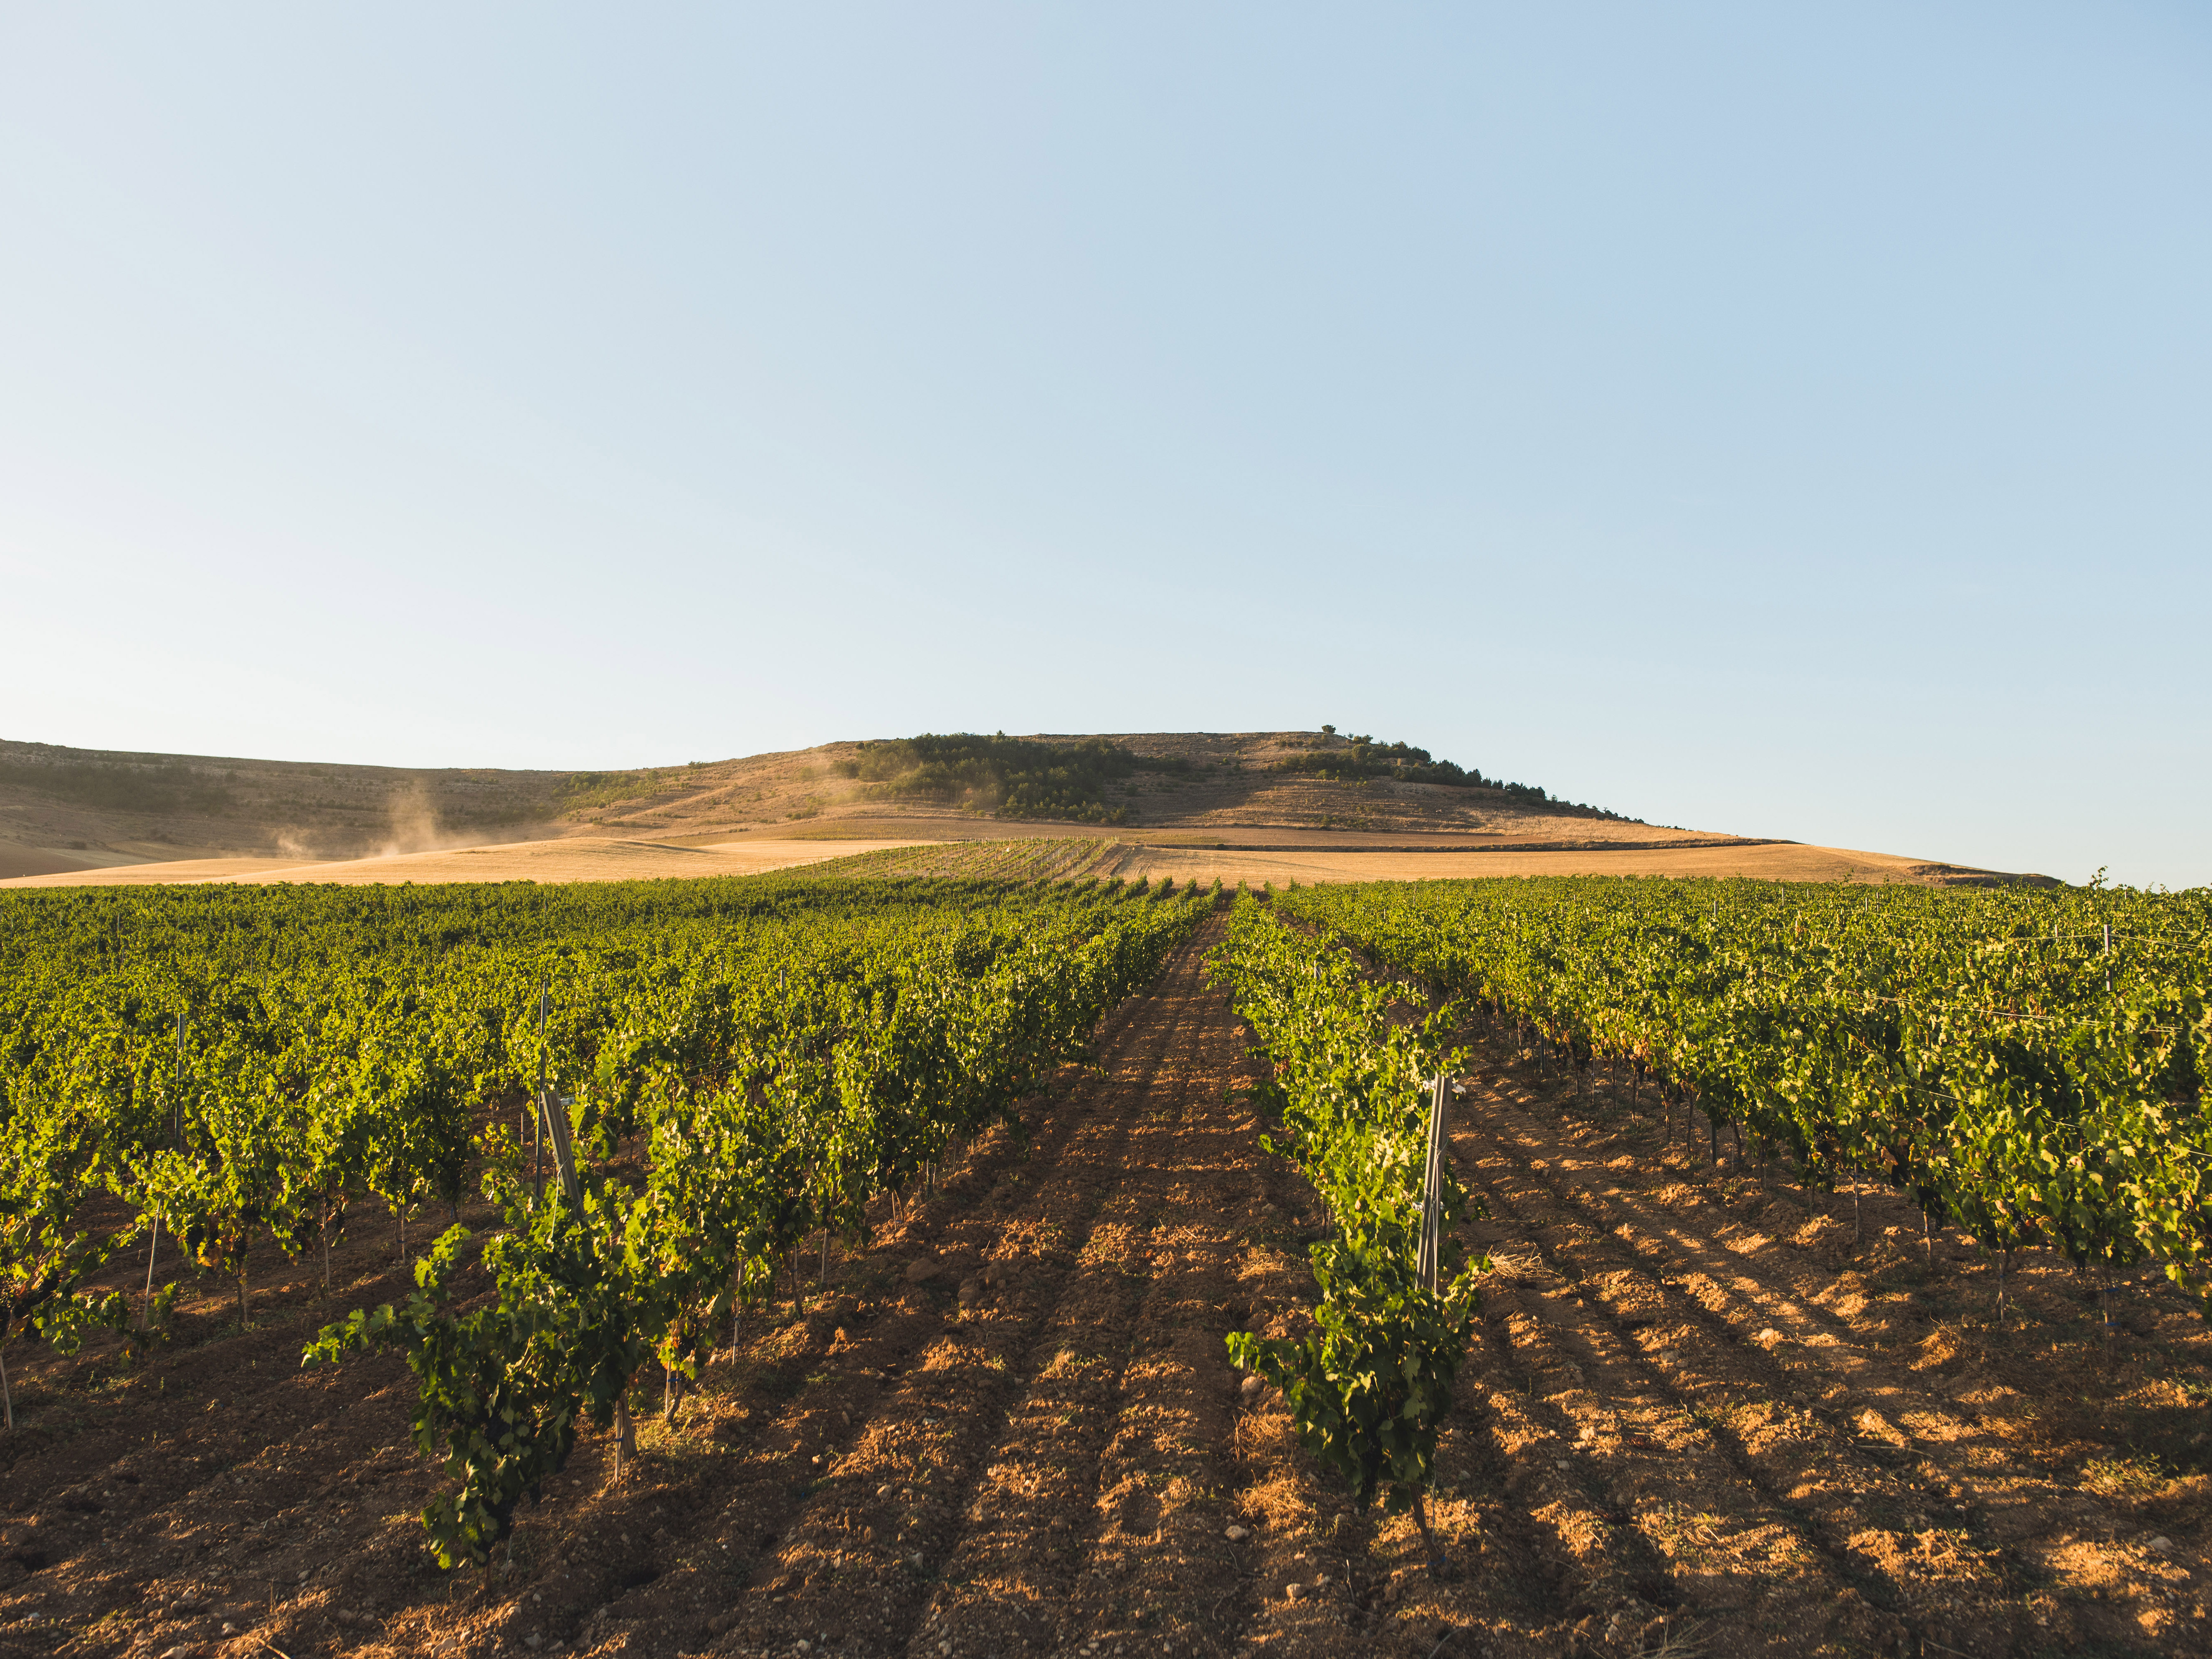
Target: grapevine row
{"x": 1369, "y": 1385}
{"x": 2027, "y": 1065}
{"x": 768, "y": 1072}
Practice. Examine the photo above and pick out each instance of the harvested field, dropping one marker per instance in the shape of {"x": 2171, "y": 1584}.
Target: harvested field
{"x": 1765, "y": 861}
{"x": 1033, "y": 857}
{"x": 157, "y": 872}
{"x": 1305, "y": 866}
{"x": 1698, "y": 1420}
{"x": 576, "y": 859}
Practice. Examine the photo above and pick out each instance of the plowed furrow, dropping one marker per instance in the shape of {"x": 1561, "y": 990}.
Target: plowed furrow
{"x": 1173, "y": 1477}
{"x": 1651, "y": 1460}
{"x": 1031, "y": 1541}
{"x": 1753, "y": 1280}
{"x": 1907, "y": 1511}
{"x": 862, "y": 1554}
{"x": 1879, "y": 1523}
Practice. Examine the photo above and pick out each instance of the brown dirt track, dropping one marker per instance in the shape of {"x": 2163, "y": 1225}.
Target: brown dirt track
{"x": 1689, "y": 1422}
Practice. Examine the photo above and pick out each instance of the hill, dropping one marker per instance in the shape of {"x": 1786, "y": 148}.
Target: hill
{"x": 1308, "y": 794}
{"x": 95, "y": 803}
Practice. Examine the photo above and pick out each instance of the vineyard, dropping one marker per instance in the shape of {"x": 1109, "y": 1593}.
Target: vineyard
{"x": 778, "y": 1075}
{"x": 998, "y": 1263}
{"x": 1995, "y": 1057}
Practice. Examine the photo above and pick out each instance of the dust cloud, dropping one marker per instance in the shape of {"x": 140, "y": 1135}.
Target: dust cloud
{"x": 417, "y": 826}
{"x": 413, "y": 823}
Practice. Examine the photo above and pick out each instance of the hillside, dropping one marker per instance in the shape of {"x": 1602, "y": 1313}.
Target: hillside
{"x": 1292, "y": 805}
{"x": 62, "y": 808}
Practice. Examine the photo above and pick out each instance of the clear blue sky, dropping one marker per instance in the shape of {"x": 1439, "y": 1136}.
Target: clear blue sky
{"x": 1787, "y": 420}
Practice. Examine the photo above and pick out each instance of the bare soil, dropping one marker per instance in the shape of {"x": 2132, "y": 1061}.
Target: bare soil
{"x": 1794, "y": 1421}
{"x": 1696, "y": 1420}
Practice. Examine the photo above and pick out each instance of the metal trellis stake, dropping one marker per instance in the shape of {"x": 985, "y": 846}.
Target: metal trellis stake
{"x": 556, "y": 1118}
{"x": 537, "y": 1129}
{"x": 177, "y": 1096}
{"x": 176, "y": 1143}
{"x": 552, "y": 1125}
{"x": 1429, "y": 1267}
